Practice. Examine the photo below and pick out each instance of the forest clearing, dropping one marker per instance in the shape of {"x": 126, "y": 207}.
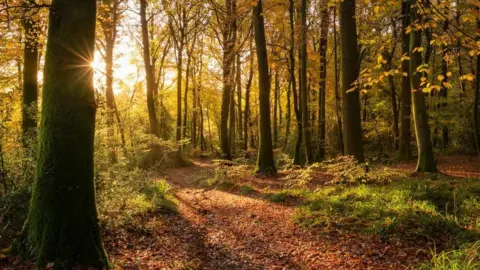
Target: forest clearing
{"x": 240, "y": 134}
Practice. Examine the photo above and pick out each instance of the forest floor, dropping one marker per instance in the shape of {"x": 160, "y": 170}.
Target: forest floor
{"x": 229, "y": 229}
{"x": 218, "y": 229}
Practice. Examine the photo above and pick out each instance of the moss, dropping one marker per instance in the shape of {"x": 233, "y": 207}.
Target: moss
{"x": 62, "y": 226}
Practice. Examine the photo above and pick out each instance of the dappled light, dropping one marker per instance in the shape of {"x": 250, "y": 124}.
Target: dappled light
{"x": 239, "y": 134}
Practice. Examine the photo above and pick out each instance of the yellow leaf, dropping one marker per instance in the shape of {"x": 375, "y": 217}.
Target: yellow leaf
{"x": 441, "y": 78}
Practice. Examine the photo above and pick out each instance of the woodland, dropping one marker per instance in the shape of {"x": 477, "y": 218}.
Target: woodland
{"x": 240, "y": 134}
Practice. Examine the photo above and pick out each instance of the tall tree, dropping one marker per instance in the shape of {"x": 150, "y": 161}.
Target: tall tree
{"x": 297, "y": 156}
{"x": 405, "y": 151}
{"x": 323, "y": 80}
{"x": 62, "y": 224}
{"x": 228, "y": 46}
{"x": 426, "y": 160}
{"x": 30, "y": 82}
{"x": 304, "y": 83}
{"x": 265, "y": 162}
{"x": 149, "y": 71}
{"x": 109, "y": 12}
{"x": 350, "y": 72}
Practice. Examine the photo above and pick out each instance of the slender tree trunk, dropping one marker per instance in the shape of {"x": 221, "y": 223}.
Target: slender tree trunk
{"x": 476, "y": 128}
{"x": 232, "y": 114}
{"x": 228, "y": 58}
{"x": 338, "y": 100}
{"x": 303, "y": 83}
{"x": 265, "y": 162}
{"x": 30, "y": 84}
{"x": 426, "y": 161}
{"x": 297, "y": 159}
{"x": 350, "y": 73}
{"x": 288, "y": 116}
{"x": 239, "y": 98}
{"x": 185, "y": 97}
{"x": 62, "y": 224}
{"x": 405, "y": 151}
{"x": 275, "y": 110}
{"x": 246, "y": 122}
{"x": 152, "y": 115}
{"x": 323, "y": 81}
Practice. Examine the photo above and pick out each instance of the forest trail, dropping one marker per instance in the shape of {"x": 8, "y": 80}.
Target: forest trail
{"x": 227, "y": 230}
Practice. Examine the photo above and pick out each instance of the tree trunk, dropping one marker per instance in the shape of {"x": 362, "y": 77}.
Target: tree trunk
{"x": 297, "y": 156}
{"x": 426, "y": 161}
{"x": 152, "y": 115}
{"x": 246, "y": 122}
{"x": 239, "y": 98}
{"x": 476, "y": 128}
{"x": 405, "y": 151}
{"x": 228, "y": 58}
{"x": 338, "y": 100}
{"x": 323, "y": 81}
{"x": 350, "y": 72}
{"x": 62, "y": 224}
{"x": 265, "y": 162}
{"x": 30, "y": 84}
{"x": 303, "y": 83}
{"x": 275, "y": 110}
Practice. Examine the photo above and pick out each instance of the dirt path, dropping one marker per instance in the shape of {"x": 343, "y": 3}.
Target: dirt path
{"x": 221, "y": 230}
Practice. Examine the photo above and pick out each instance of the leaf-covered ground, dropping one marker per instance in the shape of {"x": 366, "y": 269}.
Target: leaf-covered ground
{"x": 233, "y": 229}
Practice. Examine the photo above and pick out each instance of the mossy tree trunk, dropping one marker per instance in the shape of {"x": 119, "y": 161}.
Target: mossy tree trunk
{"x": 246, "y": 120}
{"x": 426, "y": 160}
{"x": 265, "y": 162}
{"x": 62, "y": 225}
{"x": 350, "y": 72}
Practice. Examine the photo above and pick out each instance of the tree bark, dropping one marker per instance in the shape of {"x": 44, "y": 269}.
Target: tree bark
{"x": 228, "y": 58}
{"x": 303, "y": 83}
{"x": 350, "y": 72}
{"x": 30, "y": 84}
{"x": 152, "y": 115}
{"x": 265, "y": 162}
{"x": 405, "y": 151}
{"x": 323, "y": 81}
{"x": 338, "y": 100}
{"x": 239, "y": 98}
{"x": 426, "y": 161}
{"x": 62, "y": 224}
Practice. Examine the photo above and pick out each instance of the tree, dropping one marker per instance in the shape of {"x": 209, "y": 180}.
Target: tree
{"x": 30, "y": 82}
{"x": 404, "y": 151}
{"x": 323, "y": 80}
{"x": 109, "y": 13}
{"x": 350, "y": 72}
{"x": 149, "y": 72}
{"x": 303, "y": 82}
{"x": 265, "y": 162}
{"x": 62, "y": 225}
{"x": 426, "y": 160}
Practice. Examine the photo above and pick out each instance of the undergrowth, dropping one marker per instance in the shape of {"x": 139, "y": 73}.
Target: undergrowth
{"x": 445, "y": 211}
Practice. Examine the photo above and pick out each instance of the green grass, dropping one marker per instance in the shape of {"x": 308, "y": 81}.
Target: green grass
{"x": 466, "y": 258}
{"x": 444, "y": 209}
